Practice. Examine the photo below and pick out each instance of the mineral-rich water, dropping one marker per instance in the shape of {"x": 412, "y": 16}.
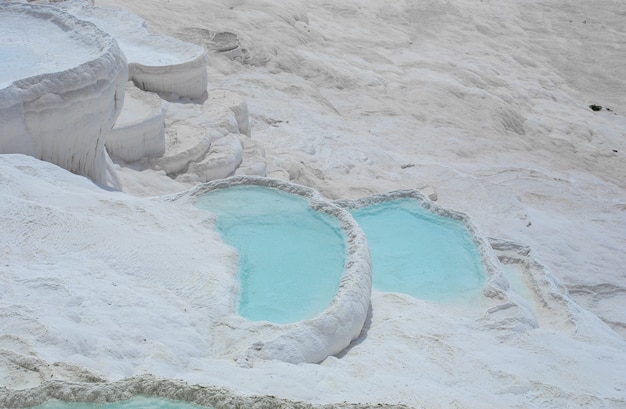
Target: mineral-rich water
{"x": 291, "y": 257}
{"x": 420, "y": 253}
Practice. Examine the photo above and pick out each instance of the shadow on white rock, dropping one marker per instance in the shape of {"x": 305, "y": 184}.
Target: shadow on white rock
{"x": 139, "y": 131}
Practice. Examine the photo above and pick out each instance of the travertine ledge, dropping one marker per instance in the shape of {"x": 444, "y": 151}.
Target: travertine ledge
{"x": 60, "y": 113}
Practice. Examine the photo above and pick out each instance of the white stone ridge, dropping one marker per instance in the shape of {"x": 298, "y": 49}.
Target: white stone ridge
{"x": 60, "y": 113}
{"x": 139, "y": 130}
{"x": 155, "y": 62}
{"x": 92, "y": 389}
{"x": 332, "y": 330}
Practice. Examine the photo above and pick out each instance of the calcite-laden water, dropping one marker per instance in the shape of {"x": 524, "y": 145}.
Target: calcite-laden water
{"x": 291, "y": 257}
{"x": 419, "y": 253}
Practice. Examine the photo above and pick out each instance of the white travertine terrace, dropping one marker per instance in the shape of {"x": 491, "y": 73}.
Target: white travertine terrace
{"x": 156, "y": 63}
{"x": 139, "y": 130}
{"x": 55, "y": 106}
{"x": 331, "y": 331}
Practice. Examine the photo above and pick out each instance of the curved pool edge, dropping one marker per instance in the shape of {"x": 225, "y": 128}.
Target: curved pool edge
{"x": 152, "y": 387}
{"x": 331, "y": 331}
{"x": 496, "y": 284}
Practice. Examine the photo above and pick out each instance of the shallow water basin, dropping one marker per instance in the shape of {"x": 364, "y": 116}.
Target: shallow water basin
{"x": 291, "y": 257}
{"x": 419, "y": 253}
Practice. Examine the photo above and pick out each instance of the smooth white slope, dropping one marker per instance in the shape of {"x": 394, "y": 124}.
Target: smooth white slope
{"x": 105, "y": 280}
{"x": 486, "y": 101}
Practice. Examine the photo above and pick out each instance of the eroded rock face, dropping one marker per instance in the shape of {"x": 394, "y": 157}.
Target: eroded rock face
{"x": 54, "y": 105}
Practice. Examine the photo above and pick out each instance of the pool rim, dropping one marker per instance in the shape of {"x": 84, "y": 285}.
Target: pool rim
{"x": 495, "y": 284}
{"x": 333, "y": 329}
{"x": 217, "y": 397}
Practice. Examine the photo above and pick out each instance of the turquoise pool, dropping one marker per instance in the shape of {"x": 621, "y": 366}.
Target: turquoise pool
{"x": 138, "y": 402}
{"x": 419, "y": 253}
{"x": 291, "y": 257}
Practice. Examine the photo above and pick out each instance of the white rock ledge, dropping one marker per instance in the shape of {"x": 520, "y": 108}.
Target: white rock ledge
{"x": 140, "y": 129}
{"x": 156, "y": 63}
{"x": 331, "y": 331}
{"x": 62, "y": 111}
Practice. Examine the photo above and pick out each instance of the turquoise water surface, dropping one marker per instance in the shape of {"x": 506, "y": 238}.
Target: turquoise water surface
{"x": 138, "y": 402}
{"x": 291, "y": 257}
{"x": 419, "y": 253}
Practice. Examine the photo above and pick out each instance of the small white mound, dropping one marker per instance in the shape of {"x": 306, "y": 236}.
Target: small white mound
{"x": 184, "y": 143}
{"x": 200, "y": 150}
{"x": 223, "y": 158}
{"x": 139, "y": 131}
{"x": 54, "y": 105}
{"x": 155, "y": 62}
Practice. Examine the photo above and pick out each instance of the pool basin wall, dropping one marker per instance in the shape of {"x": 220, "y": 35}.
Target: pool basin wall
{"x": 331, "y": 331}
{"x": 496, "y": 284}
{"x": 149, "y": 386}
